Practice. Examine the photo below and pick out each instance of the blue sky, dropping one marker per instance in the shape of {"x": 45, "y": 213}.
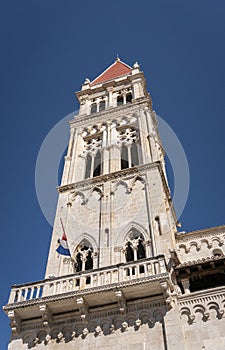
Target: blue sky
{"x": 49, "y": 47}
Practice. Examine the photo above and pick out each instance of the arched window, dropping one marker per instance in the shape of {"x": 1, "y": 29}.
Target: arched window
{"x": 135, "y": 249}
{"x": 119, "y": 100}
{"x": 88, "y": 166}
{"x": 129, "y": 97}
{"x": 124, "y": 157}
{"x": 93, "y": 108}
{"x": 102, "y": 105}
{"x": 97, "y": 164}
{"x": 83, "y": 256}
{"x": 134, "y": 154}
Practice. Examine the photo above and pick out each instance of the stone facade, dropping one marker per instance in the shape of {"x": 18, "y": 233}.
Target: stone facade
{"x": 132, "y": 280}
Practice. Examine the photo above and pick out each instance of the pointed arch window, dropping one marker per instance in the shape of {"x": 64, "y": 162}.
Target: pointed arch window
{"x": 84, "y": 257}
{"x": 135, "y": 248}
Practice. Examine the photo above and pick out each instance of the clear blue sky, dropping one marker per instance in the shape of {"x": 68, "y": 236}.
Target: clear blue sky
{"x": 49, "y": 47}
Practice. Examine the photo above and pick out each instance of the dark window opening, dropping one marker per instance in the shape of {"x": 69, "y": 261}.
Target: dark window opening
{"x": 141, "y": 269}
{"x": 124, "y": 158}
{"x": 206, "y": 282}
{"x": 88, "y": 166}
{"x": 129, "y": 253}
{"x": 129, "y": 97}
{"x": 101, "y": 105}
{"x": 78, "y": 264}
{"x": 134, "y": 154}
{"x": 140, "y": 251}
{"x": 89, "y": 261}
{"x": 93, "y": 108}
{"x": 97, "y": 164}
{"x": 119, "y": 100}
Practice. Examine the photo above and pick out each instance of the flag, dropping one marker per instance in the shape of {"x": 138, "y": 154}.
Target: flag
{"x": 63, "y": 247}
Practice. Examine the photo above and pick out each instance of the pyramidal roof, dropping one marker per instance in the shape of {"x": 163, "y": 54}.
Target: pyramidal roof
{"x": 117, "y": 69}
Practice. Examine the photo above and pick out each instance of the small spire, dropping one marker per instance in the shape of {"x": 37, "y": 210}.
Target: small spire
{"x": 117, "y": 58}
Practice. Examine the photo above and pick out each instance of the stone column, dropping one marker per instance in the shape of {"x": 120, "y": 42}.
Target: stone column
{"x": 105, "y": 151}
{"x": 110, "y": 96}
{"x": 114, "y": 150}
{"x": 186, "y": 285}
{"x": 68, "y": 158}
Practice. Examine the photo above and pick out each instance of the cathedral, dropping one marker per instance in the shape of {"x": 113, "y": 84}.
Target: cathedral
{"x": 119, "y": 273}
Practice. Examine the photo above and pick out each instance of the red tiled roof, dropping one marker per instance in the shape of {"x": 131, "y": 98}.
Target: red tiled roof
{"x": 117, "y": 69}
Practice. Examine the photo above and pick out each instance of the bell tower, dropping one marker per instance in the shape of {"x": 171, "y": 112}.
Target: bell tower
{"x": 109, "y": 281}
{"x": 114, "y": 201}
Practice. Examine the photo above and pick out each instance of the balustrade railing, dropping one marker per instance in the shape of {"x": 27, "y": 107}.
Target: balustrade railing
{"x": 89, "y": 279}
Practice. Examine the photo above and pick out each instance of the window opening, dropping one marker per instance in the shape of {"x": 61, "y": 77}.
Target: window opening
{"x": 124, "y": 157}
{"x": 119, "y": 100}
{"x": 93, "y": 108}
{"x": 129, "y": 97}
{"x": 102, "y": 105}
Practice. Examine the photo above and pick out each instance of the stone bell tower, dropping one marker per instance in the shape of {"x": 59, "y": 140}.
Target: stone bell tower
{"x": 109, "y": 282}
{"x": 114, "y": 199}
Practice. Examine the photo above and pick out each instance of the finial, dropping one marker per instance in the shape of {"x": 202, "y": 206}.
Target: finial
{"x": 87, "y": 81}
{"x": 136, "y": 65}
{"x": 117, "y": 58}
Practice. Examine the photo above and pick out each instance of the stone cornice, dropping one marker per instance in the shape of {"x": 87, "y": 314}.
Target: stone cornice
{"x": 200, "y": 261}
{"x": 88, "y": 291}
{"x": 185, "y": 237}
{"x": 99, "y": 180}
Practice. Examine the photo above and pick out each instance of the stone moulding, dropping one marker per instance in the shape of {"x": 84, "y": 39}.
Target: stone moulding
{"x": 107, "y": 114}
{"x": 99, "y": 180}
{"x": 208, "y": 303}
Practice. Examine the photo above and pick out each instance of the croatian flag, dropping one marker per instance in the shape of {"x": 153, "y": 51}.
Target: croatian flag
{"x": 63, "y": 247}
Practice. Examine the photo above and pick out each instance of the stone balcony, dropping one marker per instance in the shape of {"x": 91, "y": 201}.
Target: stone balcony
{"x": 90, "y": 289}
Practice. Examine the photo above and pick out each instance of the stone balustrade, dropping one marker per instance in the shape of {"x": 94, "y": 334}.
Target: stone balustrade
{"x": 146, "y": 268}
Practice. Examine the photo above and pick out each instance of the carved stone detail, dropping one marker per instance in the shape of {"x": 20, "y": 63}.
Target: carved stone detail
{"x": 15, "y": 322}
{"x": 46, "y": 315}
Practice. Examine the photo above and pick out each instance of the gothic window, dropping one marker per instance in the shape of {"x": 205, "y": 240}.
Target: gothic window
{"x": 93, "y": 156}
{"x": 102, "y": 105}
{"x": 119, "y": 100}
{"x": 129, "y": 97}
{"x": 84, "y": 257}
{"x": 135, "y": 249}
{"x": 93, "y": 108}
{"x": 129, "y": 149}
